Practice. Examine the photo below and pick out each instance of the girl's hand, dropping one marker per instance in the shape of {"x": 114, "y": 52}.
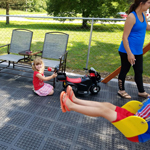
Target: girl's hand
{"x": 131, "y": 59}
{"x": 54, "y": 75}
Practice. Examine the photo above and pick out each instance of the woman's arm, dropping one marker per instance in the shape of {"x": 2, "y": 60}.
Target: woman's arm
{"x": 148, "y": 26}
{"x": 46, "y": 78}
{"x": 130, "y": 21}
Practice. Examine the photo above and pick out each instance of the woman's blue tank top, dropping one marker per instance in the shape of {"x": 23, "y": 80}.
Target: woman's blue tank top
{"x": 136, "y": 36}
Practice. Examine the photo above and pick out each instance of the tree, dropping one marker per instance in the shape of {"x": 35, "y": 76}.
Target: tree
{"x": 87, "y": 8}
{"x": 7, "y": 4}
{"x": 36, "y": 5}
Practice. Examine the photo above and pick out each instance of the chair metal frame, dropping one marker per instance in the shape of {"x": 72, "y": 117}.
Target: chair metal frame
{"x": 13, "y": 59}
{"x": 59, "y": 61}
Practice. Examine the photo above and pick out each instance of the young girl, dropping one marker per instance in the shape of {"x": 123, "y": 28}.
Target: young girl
{"x": 41, "y": 88}
{"x": 104, "y": 109}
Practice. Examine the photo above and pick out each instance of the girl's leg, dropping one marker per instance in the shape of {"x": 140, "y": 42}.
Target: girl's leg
{"x": 87, "y": 102}
{"x": 101, "y": 111}
{"x": 52, "y": 92}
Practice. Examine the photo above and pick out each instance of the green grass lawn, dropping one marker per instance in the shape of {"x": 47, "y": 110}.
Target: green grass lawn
{"x": 105, "y": 42}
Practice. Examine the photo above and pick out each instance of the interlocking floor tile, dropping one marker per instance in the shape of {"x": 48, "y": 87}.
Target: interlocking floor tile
{"x": 40, "y": 125}
{"x": 31, "y": 122}
{"x": 29, "y": 140}
{"x": 8, "y": 133}
{"x": 19, "y": 118}
{"x": 69, "y": 118}
{"x": 53, "y": 144}
{"x": 48, "y": 112}
{"x": 63, "y": 132}
{"x": 3, "y": 147}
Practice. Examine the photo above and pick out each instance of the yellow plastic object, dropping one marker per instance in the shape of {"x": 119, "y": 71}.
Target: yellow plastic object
{"x": 131, "y": 126}
{"x": 133, "y": 106}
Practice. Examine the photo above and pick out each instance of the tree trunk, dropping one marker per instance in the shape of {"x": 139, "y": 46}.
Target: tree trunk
{"x": 7, "y": 12}
{"x": 84, "y": 24}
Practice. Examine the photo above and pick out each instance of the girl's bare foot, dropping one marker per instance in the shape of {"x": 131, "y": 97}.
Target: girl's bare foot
{"x": 70, "y": 93}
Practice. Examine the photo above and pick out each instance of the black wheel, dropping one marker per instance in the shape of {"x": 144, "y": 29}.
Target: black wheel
{"x": 75, "y": 89}
{"x": 95, "y": 89}
{"x": 64, "y": 84}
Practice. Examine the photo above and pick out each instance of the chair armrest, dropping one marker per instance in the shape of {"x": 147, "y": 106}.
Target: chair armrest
{"x": 4, "y": 45}
{"x": 35, "y": 53}
{"x": 133, "y": 106}
{"x": 63, "y": 54}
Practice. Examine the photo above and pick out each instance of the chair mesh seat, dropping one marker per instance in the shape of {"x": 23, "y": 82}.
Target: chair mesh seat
{"x": 20, "y": 41}
{"x": 50, "y": 63}
{"x": 11, "y": 57}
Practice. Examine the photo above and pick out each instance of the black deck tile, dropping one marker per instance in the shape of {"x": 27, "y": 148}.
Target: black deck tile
{"x": 4, "y": 113}
{"x": 3, "y": 83}
{"x": 6, "y": 91}
{"x": 70, "y": 118}
{"x": 89, "y": 140}
{"x": 23, "y": 94}
{"x": 143, "y": 146}
{"x": 31, "y": 122}
{"x": 29, "y": 140}
{"x": 63, "y": 132}
{"x": 52, "y": 101}
{"x": 48, "y": 112}
{"x": 3, "y": 147}
{"x": 76, "y": 147}
{"x": 28, "y": 107}
{"x": 8, "y": 133}
{"x": 93, "y": 124}
{"x": 40, "y": 125}
{"x": 33, "y": 97}
{"x": 113, "y": 84}
{"x": 120, "y": 144}
{"x": 11, "y": 104}
{"x": 19, "y": 118}
{"x": 53, "y": 144}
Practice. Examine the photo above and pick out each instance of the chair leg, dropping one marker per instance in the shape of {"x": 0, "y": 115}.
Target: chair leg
{"x": 54, "y": 82}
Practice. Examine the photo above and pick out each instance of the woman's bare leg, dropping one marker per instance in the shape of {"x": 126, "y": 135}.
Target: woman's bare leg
{"x": 93, "y": 111}
{"x": 91, "y": 103}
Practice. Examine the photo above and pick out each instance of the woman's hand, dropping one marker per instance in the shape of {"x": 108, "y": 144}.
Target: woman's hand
{"x": 131, "y": 59}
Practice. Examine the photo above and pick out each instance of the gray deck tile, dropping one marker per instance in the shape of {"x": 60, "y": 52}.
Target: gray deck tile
{"x": 30, "y": 122}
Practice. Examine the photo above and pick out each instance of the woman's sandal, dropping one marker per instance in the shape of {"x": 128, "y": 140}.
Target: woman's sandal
{"x": 69, "y": 89}
{"x": 63, "y": 103}
{"x": 124, "y": 95}
{"x": 144, "y": 95}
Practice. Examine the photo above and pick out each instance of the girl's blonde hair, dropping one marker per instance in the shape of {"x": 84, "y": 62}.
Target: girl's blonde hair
{"x": 37, "y": 61}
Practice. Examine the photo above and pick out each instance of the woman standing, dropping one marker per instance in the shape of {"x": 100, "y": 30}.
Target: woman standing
{"x": 131, "y": 47}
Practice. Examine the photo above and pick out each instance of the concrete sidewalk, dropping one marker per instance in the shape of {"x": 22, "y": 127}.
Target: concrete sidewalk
{"x": 30, "y": 122}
